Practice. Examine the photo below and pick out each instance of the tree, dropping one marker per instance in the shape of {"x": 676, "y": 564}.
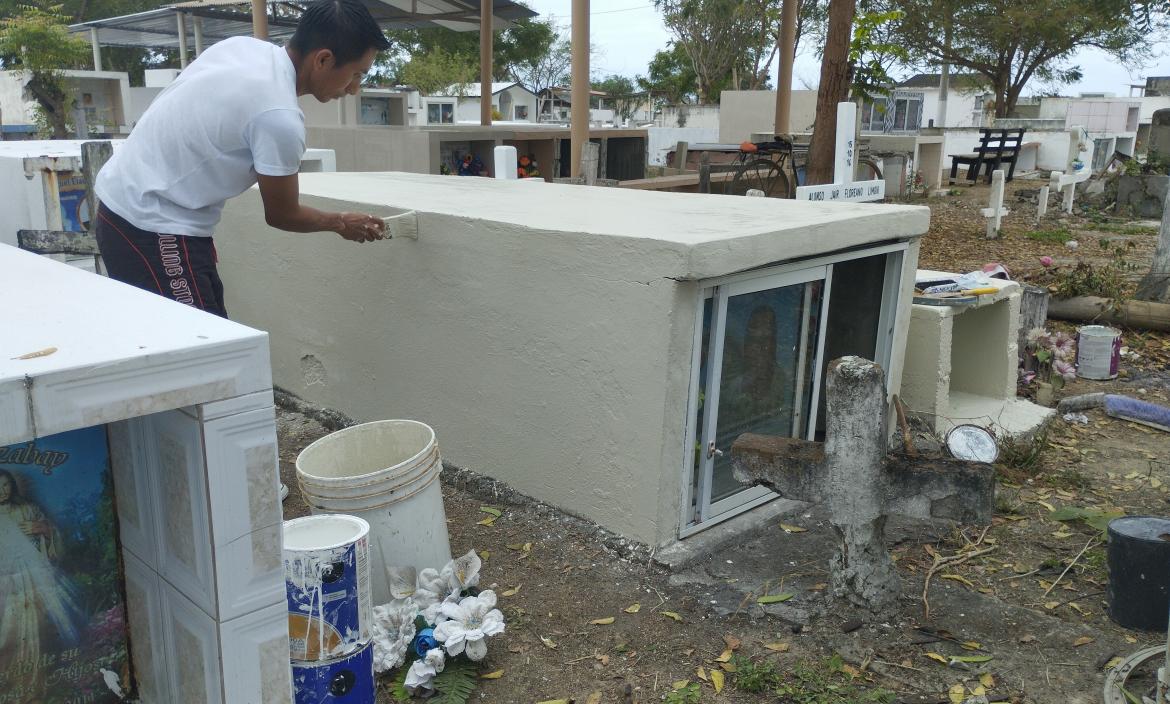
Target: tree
{"x": 437, "y": 69}
{"x": 671, "y": 76}
{"x": 540, "y": 73}
{"x": 1155, "y": 285}
{"x": 833, "y": 89}
{"x": 524, "y": 42}
{"x": 622, "y": 93}
{"x": 1010, "y": 42}
{"x": 719, "y": 35}
{"x": 36, "y": 42}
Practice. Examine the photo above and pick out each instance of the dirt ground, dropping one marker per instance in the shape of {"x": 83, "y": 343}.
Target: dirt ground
{"x": 1028, "y": 614}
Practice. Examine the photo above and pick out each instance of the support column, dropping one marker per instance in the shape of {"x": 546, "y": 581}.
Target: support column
{"x": 197, "y": 25}
{"x": 181, "y": 21}
{"x": 260, "y": 19}
{"x": 485, "y": 61}
{"x": 579, "y": 119}
{"x": 787, "y": 54}
{"x": 95, "y": 42}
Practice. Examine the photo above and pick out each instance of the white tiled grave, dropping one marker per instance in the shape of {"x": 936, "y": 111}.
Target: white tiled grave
{"x": 187, "y": 399}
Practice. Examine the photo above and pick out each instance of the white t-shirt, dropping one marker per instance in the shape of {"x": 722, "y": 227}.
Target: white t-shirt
{"x": 231, "y": 114}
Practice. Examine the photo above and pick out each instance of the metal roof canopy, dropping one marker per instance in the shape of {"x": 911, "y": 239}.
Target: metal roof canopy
{"x": 222, "y": 19}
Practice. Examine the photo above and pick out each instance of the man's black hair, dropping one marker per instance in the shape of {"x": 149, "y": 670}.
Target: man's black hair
{"x": 344, "y": 27}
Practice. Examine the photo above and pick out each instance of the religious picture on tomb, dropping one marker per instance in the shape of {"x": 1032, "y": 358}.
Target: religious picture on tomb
{"x": 62, "y": 617}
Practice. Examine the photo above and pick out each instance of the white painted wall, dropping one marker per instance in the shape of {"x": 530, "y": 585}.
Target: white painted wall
{"x": 745, "y": 112}
{"x": 138, "y": 101}
{"x": 110, "y": 91}
{"x": 1151, "y": 104}
{"x": 689, "y": 116}
{"x": 663, "y": 139}
{"x": 960, "y": 107}
{"x": 498, "y": 325}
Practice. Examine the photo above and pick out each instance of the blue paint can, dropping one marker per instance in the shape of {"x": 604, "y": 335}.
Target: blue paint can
{"x": 346, "y": 680}
{"x": 327, "y": 582}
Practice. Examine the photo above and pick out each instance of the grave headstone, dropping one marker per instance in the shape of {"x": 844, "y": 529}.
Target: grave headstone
{"x": 995, "y": 212}
{"x": 1159, "y": 141}
{"x": 844, "y": 188}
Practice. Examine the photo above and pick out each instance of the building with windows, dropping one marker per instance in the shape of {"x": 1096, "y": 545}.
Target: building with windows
{"x": 460, "y": 103}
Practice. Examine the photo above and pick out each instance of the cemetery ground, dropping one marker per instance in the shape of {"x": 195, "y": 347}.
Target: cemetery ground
{"x": 1020, "y": 615}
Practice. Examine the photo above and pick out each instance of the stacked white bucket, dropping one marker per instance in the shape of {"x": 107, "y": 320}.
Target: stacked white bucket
{"x": 387, "y": 473}
{"x": 327, "y": 582}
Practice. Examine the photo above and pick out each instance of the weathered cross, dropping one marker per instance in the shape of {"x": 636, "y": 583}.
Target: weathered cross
{"x": 844, "y": 188}
{"x": 996, "y": 211}
{"x": 861, "y": 483}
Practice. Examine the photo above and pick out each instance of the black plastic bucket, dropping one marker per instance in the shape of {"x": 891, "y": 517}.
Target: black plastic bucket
{"x": 1139, "y": 572}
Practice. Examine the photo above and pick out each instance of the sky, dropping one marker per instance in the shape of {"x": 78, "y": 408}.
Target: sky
{"x": 627, "y": 33}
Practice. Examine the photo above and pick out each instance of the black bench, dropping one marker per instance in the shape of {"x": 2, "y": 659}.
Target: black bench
{"x": 996, "y": 148}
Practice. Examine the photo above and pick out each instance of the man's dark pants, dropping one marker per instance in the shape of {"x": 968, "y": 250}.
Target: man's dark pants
{"x": 178, "y": 267}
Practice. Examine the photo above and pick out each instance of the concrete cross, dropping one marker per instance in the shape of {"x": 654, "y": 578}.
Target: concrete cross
{"x": 844, "y": 188}
{"x": 996, "y": 211}
{"x": 861, "y": 483}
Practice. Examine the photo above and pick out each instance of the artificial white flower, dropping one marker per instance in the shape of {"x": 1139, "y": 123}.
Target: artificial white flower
{"x": 462, "y": 572}
{"x": 470, "y": 623}
{"x": 430, "y": 589}
{"x": 403, "y": 581}
{"x": 421, "y": 674}
{"x": 393, "y": 632}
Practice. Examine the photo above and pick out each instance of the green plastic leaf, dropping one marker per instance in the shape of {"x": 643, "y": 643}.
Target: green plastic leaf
{"x": 774, "y": 598}
{"x": 493, "y": 511}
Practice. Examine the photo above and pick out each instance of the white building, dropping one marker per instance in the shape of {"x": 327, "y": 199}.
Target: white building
{"x": 104, "y": 99}
{"x": 916, "y": 103}
{"x": 460, "y": 103}
{"x": 1110, "y": 124}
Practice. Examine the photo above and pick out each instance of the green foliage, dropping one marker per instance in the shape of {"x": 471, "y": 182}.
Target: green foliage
{"x": 720, "y": 38}
{"x": 688, "y": 694}
{"x": 755, "y": 676}
{"x": 1010, "y": 42}
{"x": 525, "y": 42}
{"x": 1059, "y": 235}
{"x": 872, "y": 51}
{"x": 671, "y": 76}
{"x": 436, "y": 70}
{"x": 824, "y": 682}
{"x": 1022, "y": 453}
{"x": 622, "y": 92}
{"x": 456, "y": 683}
{"x": 36, "y": 41}
{"x": 1110, "y": 280}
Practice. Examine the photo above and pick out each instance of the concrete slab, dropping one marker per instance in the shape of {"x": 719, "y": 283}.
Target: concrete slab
{"x": 677, "y": 555}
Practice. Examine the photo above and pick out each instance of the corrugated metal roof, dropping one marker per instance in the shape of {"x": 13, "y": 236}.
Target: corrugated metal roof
{"x": 221, "y": 19}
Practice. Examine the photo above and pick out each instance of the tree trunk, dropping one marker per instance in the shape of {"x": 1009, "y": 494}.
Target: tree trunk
{"x": 1155, "y": 286}
{"x": 52, "y": 99}
{"x": 834, "y": 88}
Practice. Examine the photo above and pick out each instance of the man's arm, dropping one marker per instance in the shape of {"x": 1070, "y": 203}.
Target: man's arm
{"x": 283, "y": 210}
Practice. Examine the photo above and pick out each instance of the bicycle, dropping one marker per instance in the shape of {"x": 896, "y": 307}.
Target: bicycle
{"x": 762, "y": 166}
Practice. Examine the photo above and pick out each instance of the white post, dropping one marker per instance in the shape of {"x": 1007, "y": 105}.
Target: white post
{"x": 181, "y": 25}
{"x": 843, "y": 154}
{"x": 197, "y": 25}
{"x": 1042, "y": 203}
{"x": 505, "y": 162}
{"x": 97, "y": 48}
{"x": 995, "y": 213}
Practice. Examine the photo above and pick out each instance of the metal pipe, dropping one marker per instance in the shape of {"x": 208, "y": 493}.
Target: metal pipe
{"x": 97, "y": 48}
{"x": 181, "y": 22}
{"x": 486, "y": 39}
{"x": 260, "y": 19}
{"x": 787, "y": 53}
{"x": 579, "y": 118}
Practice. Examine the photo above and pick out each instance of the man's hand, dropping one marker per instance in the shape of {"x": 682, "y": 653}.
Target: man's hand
{"x": 357, "y": 227}
{"x": 283, "y": 210}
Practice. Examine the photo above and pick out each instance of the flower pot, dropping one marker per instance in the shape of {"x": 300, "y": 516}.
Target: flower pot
{"x": 1045, "y": 394}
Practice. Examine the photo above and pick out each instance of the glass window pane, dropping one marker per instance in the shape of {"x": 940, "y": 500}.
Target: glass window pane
{"x": 766, "y": 382}
{"x": 700, "y": 406}
{"x": 433, "y": 113}
{"x": 900, "y": 109}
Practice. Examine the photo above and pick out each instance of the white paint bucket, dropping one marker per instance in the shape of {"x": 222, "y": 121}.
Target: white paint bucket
{"x": 386, "y": 472}
{"x": 1098, "y": 352}
{"x": 345, "y": 680}
{"x": 327, "y": 584}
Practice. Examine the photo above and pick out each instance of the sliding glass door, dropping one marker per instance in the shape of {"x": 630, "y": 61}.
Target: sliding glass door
{"x": 760, "y": 354}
